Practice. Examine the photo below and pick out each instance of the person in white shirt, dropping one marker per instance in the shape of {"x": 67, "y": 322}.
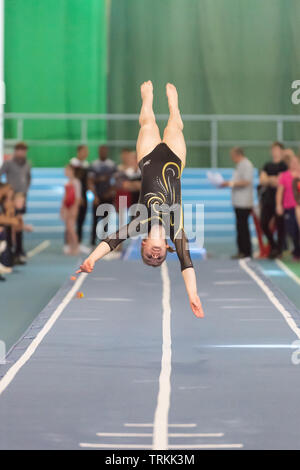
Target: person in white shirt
{"x": 242, "y": 200}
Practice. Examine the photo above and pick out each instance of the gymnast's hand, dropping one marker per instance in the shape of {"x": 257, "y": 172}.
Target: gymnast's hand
{"x": 196, "y": 306}
{"x": 86, "y": 267}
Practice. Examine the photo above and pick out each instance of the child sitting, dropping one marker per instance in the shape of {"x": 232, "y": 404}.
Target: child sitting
{"x": 8, "y": 221}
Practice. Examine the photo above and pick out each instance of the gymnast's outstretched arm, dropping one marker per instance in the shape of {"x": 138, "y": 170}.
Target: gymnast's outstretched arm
{"x": 88, "y": 265}
{"x": 188, "y": 273}
{"x": 107, "y": 245}
{"x": 190, "y": 281}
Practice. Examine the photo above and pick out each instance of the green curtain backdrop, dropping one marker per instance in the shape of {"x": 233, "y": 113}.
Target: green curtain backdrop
{"x": 55, "y": 62}
{"x": 225, "y": 56}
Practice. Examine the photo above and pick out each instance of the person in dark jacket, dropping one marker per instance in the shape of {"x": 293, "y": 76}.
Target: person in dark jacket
{"x": 100, "y": 181}
{"x": 18, "y": 174}
{"x": 268, "y": 181}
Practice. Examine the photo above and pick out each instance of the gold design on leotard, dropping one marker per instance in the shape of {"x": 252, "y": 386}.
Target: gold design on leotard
{"x": 166, "y": 166}
{"x": 150, "y": 218}
{"x": 167, "y": 193}
{"x": 156, "y": 199}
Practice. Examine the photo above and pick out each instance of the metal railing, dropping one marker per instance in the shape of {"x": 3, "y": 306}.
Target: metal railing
{"x": 214, "y": 143}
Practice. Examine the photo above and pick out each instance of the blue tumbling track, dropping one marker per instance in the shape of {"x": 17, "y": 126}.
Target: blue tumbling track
{"x": 86, "y": 374}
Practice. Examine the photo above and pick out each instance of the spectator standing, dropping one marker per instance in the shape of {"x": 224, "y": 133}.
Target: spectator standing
{"x": 81, "y": 167}
{"x": 18, "y": 175}
{"x": 69, "y": 210}
{"x": 296, "y": 187}
{"x": 242, "y": 200}
{"x": 285, "y": 200}
{"x": 133, "y": 175}
{"x": 127, "y": 183}
{"x": 100, "y": 182}
{"x": 128, "y": 177}
{"x": 268, "y": 181}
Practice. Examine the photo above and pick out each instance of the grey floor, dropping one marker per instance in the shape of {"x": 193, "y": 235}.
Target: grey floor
{"x": 29, "y": 288}
{"x": 98, "y": 368}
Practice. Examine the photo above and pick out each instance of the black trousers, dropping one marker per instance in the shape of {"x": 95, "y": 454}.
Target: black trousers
{"x": 243, "y": 233}
{"x": 268, "y": 211}
{"x": 292, "y": 230}
{"x": 7, "y": 256}
{"x": 19, "y": 244}
{"x": 81, "y": 218}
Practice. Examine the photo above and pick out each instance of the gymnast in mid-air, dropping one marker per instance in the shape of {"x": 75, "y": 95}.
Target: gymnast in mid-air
{"x": 161, "y": 163}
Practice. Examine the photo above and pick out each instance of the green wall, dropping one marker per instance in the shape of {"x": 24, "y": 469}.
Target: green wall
{"x": 55, "y": 62}
{"x": 225, "y": 56}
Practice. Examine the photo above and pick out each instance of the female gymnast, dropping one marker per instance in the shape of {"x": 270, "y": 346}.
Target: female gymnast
{"x": 161, "y": 163}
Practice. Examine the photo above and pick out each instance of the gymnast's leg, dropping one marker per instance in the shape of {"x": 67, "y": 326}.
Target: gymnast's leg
{"x": 173, "y": 135}
{"x": 149, "y": 136}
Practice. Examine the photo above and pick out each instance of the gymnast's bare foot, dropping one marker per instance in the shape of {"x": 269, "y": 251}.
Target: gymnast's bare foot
{"x": 172, "y": 96}
{"x": 173, "y": 102}
{"x": 147, "y": 92}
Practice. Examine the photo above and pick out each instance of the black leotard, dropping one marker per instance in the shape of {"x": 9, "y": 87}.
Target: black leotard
{"x": 161, "y": 185}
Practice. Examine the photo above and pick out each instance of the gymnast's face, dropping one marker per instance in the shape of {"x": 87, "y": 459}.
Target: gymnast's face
{"x": 154, "y": 248}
